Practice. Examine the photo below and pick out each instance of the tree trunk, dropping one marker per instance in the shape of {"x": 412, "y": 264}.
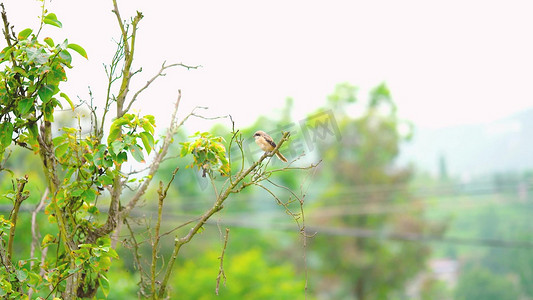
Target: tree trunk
{"x": 360, "y": 288}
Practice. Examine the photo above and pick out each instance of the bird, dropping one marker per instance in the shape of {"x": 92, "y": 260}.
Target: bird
{"x": 266, "y": 143}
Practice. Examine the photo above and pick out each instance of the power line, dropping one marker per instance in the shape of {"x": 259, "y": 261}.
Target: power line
{"x": 359, "y": 232}
{"x": 375, "y": 234}
{"x": 339, "y": 209}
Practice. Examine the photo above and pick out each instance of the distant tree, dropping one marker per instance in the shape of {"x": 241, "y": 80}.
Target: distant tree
{"x": 482, "y": 284}
{"x": 443, "y": 168}
{"x": 369, "y": 197}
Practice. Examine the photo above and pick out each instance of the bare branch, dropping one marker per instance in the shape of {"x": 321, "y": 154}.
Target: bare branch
{"x": 9, "y": 36}
{"x": 151, "y": 80}
{"x": 35, "y": 236}
{"x": 180, "y": 226}
{"x": 221, "y": 273}
{"x": 155, "y": 243}
{"x": 136, "y": 255}
{"x": 19, "y": 197}
{"x": 129, "y": 50}
{"x": 111, "y": 78}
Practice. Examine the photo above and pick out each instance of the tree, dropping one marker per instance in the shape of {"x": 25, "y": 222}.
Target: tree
{"x": 482, "y": 284}
{"x": 84, "y": 168}
{"x": 368, "y": 197}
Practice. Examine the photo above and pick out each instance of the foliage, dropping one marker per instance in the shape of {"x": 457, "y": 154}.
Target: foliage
{"x": 248, "y": 276}
{"x": 124, "y": 137}
{"x": 209, "y": 153}
{"x": 482, "y": 284}
{"x": 505, "y": 223}
{"x": 33, "y": 70}
{"x": 30, "y": 79}
{"x": 365, "y": 156}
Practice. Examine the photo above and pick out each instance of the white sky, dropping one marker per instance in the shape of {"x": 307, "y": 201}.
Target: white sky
{"x": 446, "y": 62}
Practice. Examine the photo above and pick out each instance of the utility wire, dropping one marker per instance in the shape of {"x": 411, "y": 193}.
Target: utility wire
{"x": 369, "y": 233}
{"x": 355, "y": 232}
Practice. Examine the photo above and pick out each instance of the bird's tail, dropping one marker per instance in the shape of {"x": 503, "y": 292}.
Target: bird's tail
{"x": 280, "y": 156}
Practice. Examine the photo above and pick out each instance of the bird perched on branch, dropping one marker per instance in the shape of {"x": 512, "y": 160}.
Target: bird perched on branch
{"x": 266, "y": 143}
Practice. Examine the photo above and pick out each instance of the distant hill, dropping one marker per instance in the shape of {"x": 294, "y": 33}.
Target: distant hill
{"x": 471, "y": 150}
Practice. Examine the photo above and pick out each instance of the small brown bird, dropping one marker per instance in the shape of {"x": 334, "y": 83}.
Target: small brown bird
{"x": 266, "y": 143}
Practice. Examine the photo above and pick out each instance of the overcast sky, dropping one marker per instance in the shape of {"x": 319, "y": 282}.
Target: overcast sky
{"x": 446, "y": 62}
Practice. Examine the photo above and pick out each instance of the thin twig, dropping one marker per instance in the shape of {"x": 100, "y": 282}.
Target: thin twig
{"x": 151, "y": 80}
{"x": 305, "y": 236}
{"x": 162, "y": 195}
{"x": 180, "y": 226}
{"x": 221, "y": 273}
{"x": 19, "y": 197}
{"x": 35, "y": 236}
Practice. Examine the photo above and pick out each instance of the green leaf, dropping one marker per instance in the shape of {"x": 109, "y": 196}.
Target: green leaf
{"x": 64, "y": 96}
{"x": 115, "y": 130}
{"x": 148, "y": 141}
{"x": 37, "y": 55}
{"x": 78, "y": 49}
{"x": 4, "y": 54}
{"x": 105, "y": 180}
{"x": 25, "y": 105}
{"x": 128, "y": 117}
{"x": 34, "y": 278}
{"x": 98, "y": 157}
{"x": 20, "y": 70}
{"x": 24, "y": 34}
{"x": 47, "y": 91}
{"x": 129, "y": 140}
{"x": 65, "y": 55}
{"x": 150, "y": 119}
{"x": 137, "y": 153}
{"x": 77, "y": 192}
{"x": 61, "y": 150}
{"x": 108, "y": 162}
{"x": 211, "y": 156}
{"x": 48, "y": 109}
{"x": 117, "y": 146}
{"x": 89, "y": 195}
{"x": 59, "y": 140}
{"x": 6, "y": 134}
{"x": 6, "y": 287}
{"x": 104, "y": 284}
{"x": 22, "y": 275}
{"x": 51, "y": 19}
{"x": 70, "y": 130}
{"x": 112, "y": 253}
{"x": 148, "y": 127}
{"x": 93, "y": 210}
{"x": 69, "y": 173}
{"x": 47, "y": 240}
{"x": 104, "y": 263}
{"x": 122, "y": 157}
{"x": 49, "y": 41}
{"x": 78, "y": 261}
{"x": 34, "y": 133}
{"x": 184, "y": 149}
